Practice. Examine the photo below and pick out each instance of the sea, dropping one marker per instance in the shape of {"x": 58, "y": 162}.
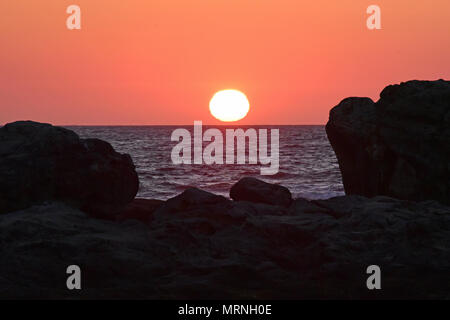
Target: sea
{"x": 307, "y": 164}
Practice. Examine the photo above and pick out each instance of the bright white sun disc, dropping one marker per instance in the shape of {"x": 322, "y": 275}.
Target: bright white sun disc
{"x": 229, "y": 105}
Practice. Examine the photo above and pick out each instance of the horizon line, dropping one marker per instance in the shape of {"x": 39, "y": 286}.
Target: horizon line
{"x": 164, "y": 125}
{"x": 173, "y": 125}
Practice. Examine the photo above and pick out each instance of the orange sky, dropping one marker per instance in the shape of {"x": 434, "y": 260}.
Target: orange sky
{"x": 160, "y": 61}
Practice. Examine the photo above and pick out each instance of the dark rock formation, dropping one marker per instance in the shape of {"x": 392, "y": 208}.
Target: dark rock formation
{"x": 398, "y": 146}
{"x": 40, "y": 162}
{"x": 191, "y": 198}
{"x": 139, "y": 209}
{"x": 254, "y": 190}
{"x": 199, "y": 245}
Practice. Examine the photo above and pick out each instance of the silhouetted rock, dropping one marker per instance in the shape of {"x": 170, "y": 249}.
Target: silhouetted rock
{"x": 40, "y": 162}
{"x": 201, "y": 246}
{"x": 139, "y": 209}
{"x": 254, "y": 190}
{"x": 200, "y": 211}
{"x": 398, "y": 146}
{"x": 301, "y": 205}
{"x": 193, "y": 196}
{"x": 189, "y": 199}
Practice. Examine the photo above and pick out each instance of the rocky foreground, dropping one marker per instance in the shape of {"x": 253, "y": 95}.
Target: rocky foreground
{"x": 200, "y": 245}
{"x": 68, "y": 201}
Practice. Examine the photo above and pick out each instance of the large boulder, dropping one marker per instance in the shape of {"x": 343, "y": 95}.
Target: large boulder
{"x": 254, "y": 190}
{"x": 40, "y": 162}
{"x": 398, "y": 146}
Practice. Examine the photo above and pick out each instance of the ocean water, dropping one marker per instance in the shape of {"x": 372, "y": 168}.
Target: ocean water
{"x": 308, "y": 165}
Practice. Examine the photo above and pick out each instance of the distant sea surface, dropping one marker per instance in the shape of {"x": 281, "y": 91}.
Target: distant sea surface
{"x": 308, "y": 165}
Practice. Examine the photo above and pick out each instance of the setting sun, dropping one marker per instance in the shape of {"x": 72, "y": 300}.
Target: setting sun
{"x": 229, "y": 105}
